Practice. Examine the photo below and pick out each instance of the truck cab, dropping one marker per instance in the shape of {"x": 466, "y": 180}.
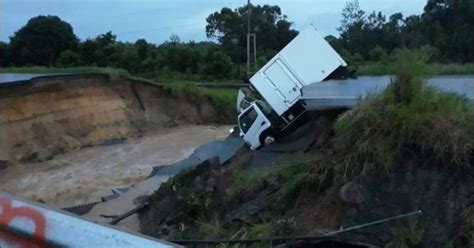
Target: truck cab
{"x": 307, "y": 59}
{"x": 252, "y": 124}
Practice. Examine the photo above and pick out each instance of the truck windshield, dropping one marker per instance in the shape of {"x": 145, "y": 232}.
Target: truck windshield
{"x": 247, "y": 119}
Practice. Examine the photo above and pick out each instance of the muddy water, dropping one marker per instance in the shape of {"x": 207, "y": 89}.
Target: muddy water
{"x": 85, "y": 175}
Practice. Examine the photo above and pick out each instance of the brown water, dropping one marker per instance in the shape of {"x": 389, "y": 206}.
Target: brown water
{"x": 85, "y": 175}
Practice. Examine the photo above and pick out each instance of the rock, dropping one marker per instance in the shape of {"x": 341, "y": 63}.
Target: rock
{"x": 352, "y": 193}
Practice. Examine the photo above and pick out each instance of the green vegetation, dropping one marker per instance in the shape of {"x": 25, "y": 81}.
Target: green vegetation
{"x": 272, "y": 28}
{"x": 31, "y": 46}
{"x": 443, "y": 30}
{"x": 204, "y": 206}
{"x": 223, "y": 100}
{"x": 292, "y": 177}
{"x": 409, "y": 115}
{"x": 114, "y": 73}
{"x": 273, "y": 228}
{"x": 366, "y": 41}
{"x": 406, "y": 237}
{"x": 465, "y": 237}
{"x": 40, "y": 42}
{"x": 211, "y": 228}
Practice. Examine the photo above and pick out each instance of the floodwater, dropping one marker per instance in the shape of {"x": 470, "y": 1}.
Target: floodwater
{"x": 85, "y": 175}
{"x": 14, "y": 77}
{"x": 361, "y": 86}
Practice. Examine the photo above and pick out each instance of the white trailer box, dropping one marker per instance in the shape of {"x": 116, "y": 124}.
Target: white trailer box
{"x": 305, "y": 60}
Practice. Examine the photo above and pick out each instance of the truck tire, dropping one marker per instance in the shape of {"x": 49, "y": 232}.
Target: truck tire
{"x": 266, "y": 138}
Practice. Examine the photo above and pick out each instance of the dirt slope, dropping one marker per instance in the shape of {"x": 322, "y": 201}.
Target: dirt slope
{"x": 53, "y": 115}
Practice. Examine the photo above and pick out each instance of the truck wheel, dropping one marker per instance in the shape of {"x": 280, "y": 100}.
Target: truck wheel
{"x": 266, "y": 138}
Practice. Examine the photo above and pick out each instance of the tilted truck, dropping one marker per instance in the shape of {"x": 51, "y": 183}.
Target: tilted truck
{"x": 297, "y": 80}
{"x": 307, "y": 59}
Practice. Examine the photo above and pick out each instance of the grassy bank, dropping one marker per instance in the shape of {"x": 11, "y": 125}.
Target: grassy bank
{"x": 114, "y": 73}
{"x": 224, "y": 100}
{"x": 409, "y": 115}
{"x": 434, "y": 69}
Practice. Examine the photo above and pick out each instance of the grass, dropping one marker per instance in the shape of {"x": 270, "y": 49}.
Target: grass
{"x": 224, "y": 100}
{"x": 408, "y": 115}
{"x": 408, "y": 237}
{"x": 273, "y": 228}
{"x": 465, "y": 237}
{"x": 211, "y": 228}
{"x": 114, "y": 73}
{"x": 293, "y": 177}
{"x": 376, "y": 69}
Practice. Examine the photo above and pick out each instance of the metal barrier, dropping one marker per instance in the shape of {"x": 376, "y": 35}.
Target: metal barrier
{"x": 27, "y": 224}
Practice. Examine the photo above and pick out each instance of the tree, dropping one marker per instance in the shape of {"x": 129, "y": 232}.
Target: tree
{"x": 229, "y": 27}
{"x": 352, "y": 15}
{"x": 41, "y": 41}
{"x": 448, "y": 25}
{"x": 3, "y": 54}
{"x": 105, "y": 48}
{"x": 174, "y": 38}
{"x": 69, "y": 58}
{"x": 143, "y": 48}
{"x": 217, "y": 64}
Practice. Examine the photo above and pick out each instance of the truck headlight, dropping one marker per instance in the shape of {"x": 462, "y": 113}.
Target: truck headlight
{"x": 231, "y": 130}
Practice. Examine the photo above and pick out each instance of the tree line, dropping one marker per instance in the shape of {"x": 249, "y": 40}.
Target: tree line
{"x": 444, "y": 30}
{"x": 50, "y": 41}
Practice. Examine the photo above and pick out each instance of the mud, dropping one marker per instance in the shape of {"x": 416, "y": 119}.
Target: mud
{"x": 86, "y": 175}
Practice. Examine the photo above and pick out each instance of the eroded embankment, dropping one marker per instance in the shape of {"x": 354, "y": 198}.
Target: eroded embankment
{"x": 308, "y": 195}
{"x": 52, "y": 115}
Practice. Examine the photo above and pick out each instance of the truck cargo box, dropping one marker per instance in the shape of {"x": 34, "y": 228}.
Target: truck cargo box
{"x": 307, "y": 59}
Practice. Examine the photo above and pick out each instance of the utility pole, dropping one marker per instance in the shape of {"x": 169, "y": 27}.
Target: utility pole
{"x": 251, "y": 45}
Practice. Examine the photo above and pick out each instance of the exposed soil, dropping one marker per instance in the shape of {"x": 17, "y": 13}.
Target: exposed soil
{"x": 69, "y": 140}
{"x": 47, "y": 117}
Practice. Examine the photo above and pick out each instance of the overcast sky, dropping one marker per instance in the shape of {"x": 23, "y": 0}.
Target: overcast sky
{"x": 156, "y": 20}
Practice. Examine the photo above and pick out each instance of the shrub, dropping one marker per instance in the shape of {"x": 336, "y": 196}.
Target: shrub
{"x": 408, "y": 115}
{"x": 69, "y": 58}
{"x": 406, "y": 237}
{"x": 217, "y": 64}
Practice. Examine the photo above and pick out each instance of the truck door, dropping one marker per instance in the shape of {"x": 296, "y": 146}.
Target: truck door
{"x": 252, "y": 123}
{"x": 282, "y": 80}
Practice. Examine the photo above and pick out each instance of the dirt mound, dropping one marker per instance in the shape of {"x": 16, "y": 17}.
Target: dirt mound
{"x": 52, "y": 115}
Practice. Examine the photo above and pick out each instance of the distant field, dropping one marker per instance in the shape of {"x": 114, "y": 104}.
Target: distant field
{"x": 435, "y": 69}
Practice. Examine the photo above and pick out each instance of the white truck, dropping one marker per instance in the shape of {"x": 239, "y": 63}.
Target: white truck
{"x": 307, "y": 59}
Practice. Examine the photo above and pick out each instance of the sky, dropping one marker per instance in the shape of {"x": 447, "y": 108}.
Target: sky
{"x": 157, "y": 20}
